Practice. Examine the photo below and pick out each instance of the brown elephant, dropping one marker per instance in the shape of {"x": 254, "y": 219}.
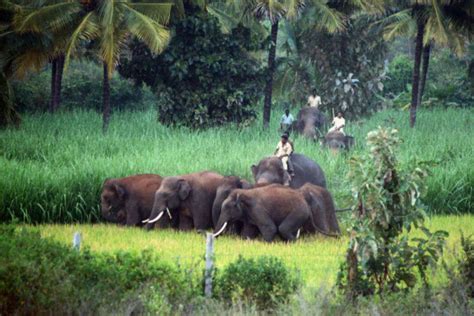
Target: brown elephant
{"x": 129, "y": 200}
{"x": 310, "y": 121}
{"x": 337, "y": 140}
{"x": 273, "y": 209}
{"x": 270, "y": 170}
{"x": 190, "y": 196}
{"x": 323, "y": 211}
{"x": 223, "y": 191}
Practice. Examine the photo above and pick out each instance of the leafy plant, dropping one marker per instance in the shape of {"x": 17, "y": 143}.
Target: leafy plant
{"x": 264, "y": 281}
{"x": 466, "y": 264}
{"x": 381, "y": 258}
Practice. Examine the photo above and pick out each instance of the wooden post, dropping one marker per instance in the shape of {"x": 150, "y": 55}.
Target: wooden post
{"x": 76, "y": 241}
{"x": 209, "y": 265}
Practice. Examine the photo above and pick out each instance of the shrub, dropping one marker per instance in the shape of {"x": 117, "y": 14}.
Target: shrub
{"x": 264, "y": 281}
{"x": 399, "y": 74}
{"x": 466, "y": 264}
{"x": 381, "y": 257}
{"x": 81, "y": 88}
{"x": 40, "y": 276}
{"x": 204, "y": 78}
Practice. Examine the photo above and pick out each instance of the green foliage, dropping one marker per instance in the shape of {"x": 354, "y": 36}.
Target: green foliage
{"x": 399, "y": 74}
{"x": 264, "y": 281}
{"x": 40, "y": 276}
{"x": 381, "y": 257}
{"x": 204, "y": 78}
{"x": 466, "y": 264}
{"x": 81, "y": 88}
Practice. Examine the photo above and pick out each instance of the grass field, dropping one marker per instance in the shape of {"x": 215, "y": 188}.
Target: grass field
{"x": 317, "y": 258}
{"x": 53, "y": 166}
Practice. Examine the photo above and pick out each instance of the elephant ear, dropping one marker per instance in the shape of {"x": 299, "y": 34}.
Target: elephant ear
{"x": 241, "y": 201}
{"x": 120, "y": 191}
{"x": 184, "y": 189}
{"x": 254, "y": 170}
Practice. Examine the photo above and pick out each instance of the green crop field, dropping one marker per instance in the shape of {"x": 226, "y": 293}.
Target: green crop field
{"x": 53, "y": 167}
{"x": 317, "y": 258}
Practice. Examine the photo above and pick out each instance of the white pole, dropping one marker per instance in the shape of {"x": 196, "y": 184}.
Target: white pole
{"x": 76, "y": 241}
{"x": 209, "y": 265}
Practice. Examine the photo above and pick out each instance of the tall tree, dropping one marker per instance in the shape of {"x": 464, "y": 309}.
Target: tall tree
{"x": 107, "y": 24}
{"x": 445, "y": 22}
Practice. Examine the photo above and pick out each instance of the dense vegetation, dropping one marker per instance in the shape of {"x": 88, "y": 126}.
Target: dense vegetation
{"x": 53, "y": 167}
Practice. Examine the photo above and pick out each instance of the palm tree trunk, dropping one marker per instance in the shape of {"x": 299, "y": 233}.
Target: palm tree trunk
{"x": 424, "y": 70}
{"x": 416, "y": 72}
{"x": 267, "y": 104}
{"x": 58, "y": 81}
{"x": 54, "y": 67}
{"x": 106, "y": 99}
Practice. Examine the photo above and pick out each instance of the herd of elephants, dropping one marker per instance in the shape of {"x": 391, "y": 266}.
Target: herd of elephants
{"x": 205, "y": 200}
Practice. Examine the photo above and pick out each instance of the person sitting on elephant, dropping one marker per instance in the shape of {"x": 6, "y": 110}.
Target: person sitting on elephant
{"x": 283, "y": 151}
{"x": 286, "y": 121}
{"x": 314, "y": 100}
{"x": 338, "y": 124}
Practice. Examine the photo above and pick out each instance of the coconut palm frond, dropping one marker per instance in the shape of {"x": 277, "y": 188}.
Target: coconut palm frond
{"x": 52, "y": 17}
{"x": 147, "y": 30}
{"x": 399, "y": 24}
{"x": 159, "y": 12}
{"x": 328, "y": 19}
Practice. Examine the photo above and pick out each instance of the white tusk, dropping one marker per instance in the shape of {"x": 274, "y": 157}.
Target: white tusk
{"x": 146, "y": 220}
{"x": 298, "y": 233}
{"x": 151, "y": 221}
{"x": 169, "y": 213}
{"x": 109, "y": 208}
{"x": 220, "y": 230}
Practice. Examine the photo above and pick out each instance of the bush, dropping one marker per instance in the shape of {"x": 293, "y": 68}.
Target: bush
{"x": 466, "y": 264}
{"x": 40, "y": 276}
{"x": 204, "y": 78}
{"x": 81, "y": 88}
{"x": 399, "y": 74}
{"x": 265, "y": 281}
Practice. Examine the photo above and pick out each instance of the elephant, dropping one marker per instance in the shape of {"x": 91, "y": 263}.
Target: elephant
{"x": 310, "y": 121}
{"x": 190, "y": 197}
{"x": 323, "y": 210}
{"x": 270, "y": 170}
{"x": 223, "y": 191}
{"x": 272, "y": 209}
{"x": 129, "y": 200}
{"x": 337, "y": 140}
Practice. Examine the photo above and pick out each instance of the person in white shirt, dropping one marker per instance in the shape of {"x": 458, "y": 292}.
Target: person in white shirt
{"x": 338, "y": 124}
{"x": 283, "y": 151}
{"x": 286, "y": 120}
{"x": 314, "y": 100}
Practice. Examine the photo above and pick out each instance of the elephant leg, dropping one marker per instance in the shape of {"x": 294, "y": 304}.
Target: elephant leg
{"x": 133, "y": 214}
{"x": 201, "y": 221}
{"x": 249, "y": 231}
{"x": 268, "y": 231}
{"x": 289, "y": 227}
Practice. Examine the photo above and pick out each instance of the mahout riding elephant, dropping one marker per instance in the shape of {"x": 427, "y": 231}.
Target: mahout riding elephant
{"x": 273, "y": 209}
{"x": 337, "y": 140}
{"x": 270, "y": 170}
{"x": 129, "y": 200}
{"x": 323, "y": 211}
{"x": 190, "y": 197}
{"x": 310, "y": 121}
{"x": 223, "y": 191}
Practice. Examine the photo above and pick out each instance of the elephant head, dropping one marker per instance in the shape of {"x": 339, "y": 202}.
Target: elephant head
{"x": 269, "y": 170}
{"x": 337, "y": 140}
{"x": 310, "y": 120}
{"x": 233, "y": 209}
{"x": 112, "y": 201}
{"x": 223, "y": 191}
{"x": 172, "y": 192}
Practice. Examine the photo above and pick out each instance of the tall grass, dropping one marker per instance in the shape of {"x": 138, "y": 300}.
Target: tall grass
{"x": 53, "y": 167}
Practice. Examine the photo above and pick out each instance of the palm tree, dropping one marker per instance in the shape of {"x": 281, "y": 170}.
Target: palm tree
{"x": 274, "y": 11}
{"x": 107, "y": 24}
{"x": 445, "y": 22}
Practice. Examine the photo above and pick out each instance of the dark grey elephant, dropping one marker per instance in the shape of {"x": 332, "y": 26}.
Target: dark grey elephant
{"x": 273, "y": 209}
{"x": 323, "y": 210}
{"x": 338, "y": 141}
{"x": 189, "y": 197}
{"x": 223, "y": 191}
{"x": 129, "y": 200}
{"x": 310, "y": 122}
{"x": 270, "y": 170}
